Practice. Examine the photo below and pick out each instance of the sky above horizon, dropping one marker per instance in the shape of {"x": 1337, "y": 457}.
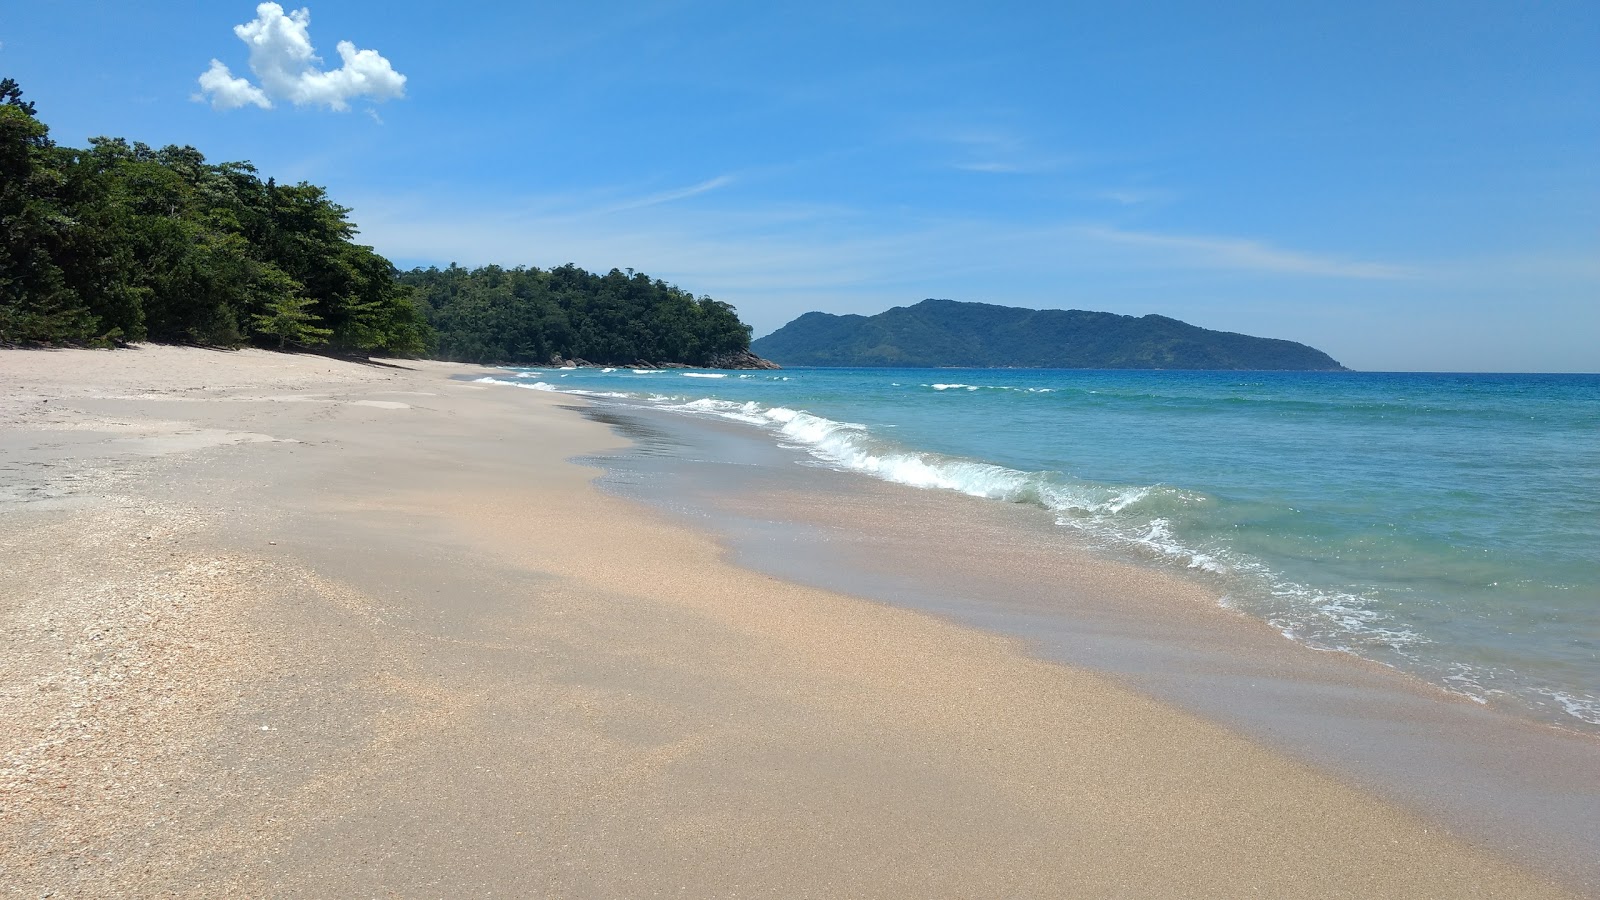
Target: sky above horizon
{"x": 1404, "y": 185}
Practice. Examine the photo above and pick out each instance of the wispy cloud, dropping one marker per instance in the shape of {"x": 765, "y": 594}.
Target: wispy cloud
{"x": 283, "y": 59}
{"x": 1242, "y": 254}
{"x": 1000, "y": 152}
{"x": 777, "y": 261}
{"x": 683, "y": 193}
{"x": 1572, "y": 267}
{"x": 1009, "y": 167}
{"x": 1136, "y": 196}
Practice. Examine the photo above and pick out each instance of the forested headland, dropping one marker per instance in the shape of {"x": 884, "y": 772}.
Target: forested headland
{"x": 528, "y": 315}
{"x": 123, "y": 242}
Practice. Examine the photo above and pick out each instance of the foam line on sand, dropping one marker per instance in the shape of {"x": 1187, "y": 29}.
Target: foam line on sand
{"x": 409, "y": 648}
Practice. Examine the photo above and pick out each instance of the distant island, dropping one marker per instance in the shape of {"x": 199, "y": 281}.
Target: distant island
{"x": 939, "y": 333}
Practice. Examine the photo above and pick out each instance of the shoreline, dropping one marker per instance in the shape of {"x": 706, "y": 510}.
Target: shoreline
{"x": 425, "y": 650}
{"x": 1508, "y": 781}
{"x": 1457, "y": 590}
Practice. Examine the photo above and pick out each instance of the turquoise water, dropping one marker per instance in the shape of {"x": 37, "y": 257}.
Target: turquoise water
{"x": 1448, "y": 525}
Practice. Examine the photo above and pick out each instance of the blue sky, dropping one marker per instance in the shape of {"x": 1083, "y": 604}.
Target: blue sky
{"x": 1406, "y": 185}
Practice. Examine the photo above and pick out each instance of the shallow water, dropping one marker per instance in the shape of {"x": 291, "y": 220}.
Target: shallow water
{"x": 1447, "y": 525}
{"x": 1499, "y": 780}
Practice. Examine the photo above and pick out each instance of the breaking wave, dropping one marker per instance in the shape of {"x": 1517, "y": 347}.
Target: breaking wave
{"x": 1155, "y": 523}
{"x": 1134, "y": 518}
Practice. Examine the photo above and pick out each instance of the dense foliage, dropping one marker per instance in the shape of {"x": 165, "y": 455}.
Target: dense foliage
{"x": 948, "y": 333}
{"x": 529, "y": 315}
{"x": 124, "y": 242}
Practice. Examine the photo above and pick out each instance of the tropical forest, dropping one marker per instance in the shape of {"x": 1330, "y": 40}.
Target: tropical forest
{"x": 121, "y": 242}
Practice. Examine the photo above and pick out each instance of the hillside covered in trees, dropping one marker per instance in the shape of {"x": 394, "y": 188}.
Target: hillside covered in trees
{"x": 529, "y": 315}
{"x": 950, "y": 333}
{"x": 122, "y": 242}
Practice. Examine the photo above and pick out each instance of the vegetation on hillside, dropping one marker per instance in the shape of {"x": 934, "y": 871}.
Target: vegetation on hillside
{"x": 948, "y": 333}
{"x": 529, "y": 315}
{"x": 123, "y": 242}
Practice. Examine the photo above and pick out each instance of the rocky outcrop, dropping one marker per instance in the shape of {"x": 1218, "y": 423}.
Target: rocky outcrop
{"x": 742, "y": 359}
{"x": 557, "y": 362}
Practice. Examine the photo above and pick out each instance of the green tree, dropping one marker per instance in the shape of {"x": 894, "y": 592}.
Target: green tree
{"x": 125, "y": 241}
{"x": 528, "y": 315}
{"x": 288, "y": 316}
{"x": 36, "y": 302}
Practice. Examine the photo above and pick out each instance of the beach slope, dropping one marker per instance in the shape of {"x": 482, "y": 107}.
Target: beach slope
{"x": 280, "y": 624}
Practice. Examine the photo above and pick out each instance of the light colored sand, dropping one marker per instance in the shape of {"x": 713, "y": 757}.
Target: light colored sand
{"x": 264, "y": 631}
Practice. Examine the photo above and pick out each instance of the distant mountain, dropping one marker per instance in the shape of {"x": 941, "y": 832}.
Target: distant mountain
{"x": 950, "y": 333}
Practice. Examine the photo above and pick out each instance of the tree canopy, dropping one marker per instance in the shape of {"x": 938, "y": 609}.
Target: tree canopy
{"x": 121, "y": 241}
{"x": 124, "y": 242}
{"x": 530, "y": 315}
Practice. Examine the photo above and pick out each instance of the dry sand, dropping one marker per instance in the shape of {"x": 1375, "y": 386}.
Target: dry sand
{"x": 278, "y": 625}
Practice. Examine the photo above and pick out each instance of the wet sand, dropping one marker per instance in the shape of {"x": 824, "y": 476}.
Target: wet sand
{"x": 1502, "y": 780}
{"x": 284, "y": 625}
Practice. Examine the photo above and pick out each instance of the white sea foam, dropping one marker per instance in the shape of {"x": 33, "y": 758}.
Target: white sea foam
{"x": 1158, "y": 537}
{"x": 1335, "y": 620}
{"x": 535, "y": 386}
{"x": 984, "y": 387}
{"x": 1475, "y": 682}
{"x": 546, "y": 386}
{"x": 1585, "y": 708}
{"x": 748, "y": 413}
{"x": 705, "y": 374}
{"x": 851, "y": 445}
{"x": 1140, "y": 519}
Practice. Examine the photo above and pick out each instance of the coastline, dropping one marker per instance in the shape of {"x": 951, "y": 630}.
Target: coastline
{"x": 334, "y": 627}
{"x": 1506, "y": 781}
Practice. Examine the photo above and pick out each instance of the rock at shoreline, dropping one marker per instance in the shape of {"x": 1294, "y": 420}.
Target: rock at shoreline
{"x": 742, "y": 359}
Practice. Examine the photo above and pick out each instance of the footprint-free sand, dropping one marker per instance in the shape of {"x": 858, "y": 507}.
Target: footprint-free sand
{"x": 284, "y": 625}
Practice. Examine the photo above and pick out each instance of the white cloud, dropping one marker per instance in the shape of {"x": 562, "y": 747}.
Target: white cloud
{"x": 1136, "y": 196}
{"x": 228, "y": 92}
{"x": 776, "y": 261}
{"x": 997, "y": 151}
{"x": 285, "y": 62}
{"x": 709, "y": 184}
{"x": 1243, "y": 254}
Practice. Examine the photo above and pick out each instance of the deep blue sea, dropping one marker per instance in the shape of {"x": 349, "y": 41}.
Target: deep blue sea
{"x": 1447, "y": 525}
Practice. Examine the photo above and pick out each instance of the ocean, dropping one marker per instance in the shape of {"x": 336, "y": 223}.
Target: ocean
{"x": 1445, "y": 525}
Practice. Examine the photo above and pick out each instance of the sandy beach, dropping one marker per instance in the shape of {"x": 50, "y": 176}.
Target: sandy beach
{"x": 285, "y": 625}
